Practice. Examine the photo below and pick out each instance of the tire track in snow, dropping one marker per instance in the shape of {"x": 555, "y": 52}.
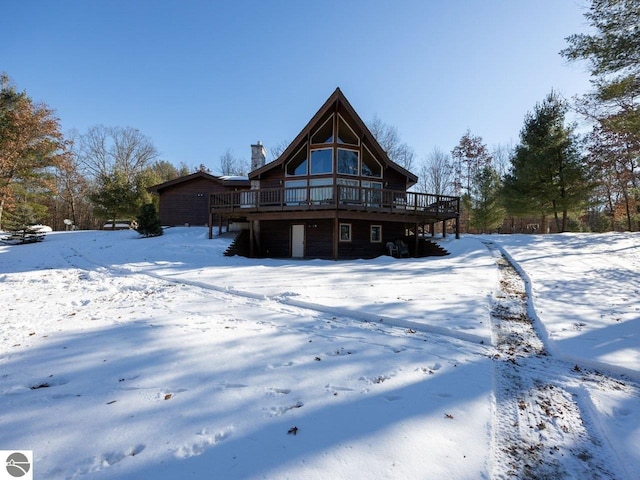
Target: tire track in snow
{"x": 542, "y": 429}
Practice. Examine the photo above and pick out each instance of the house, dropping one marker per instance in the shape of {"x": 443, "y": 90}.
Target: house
{"x": 334, "y": 194}
{"x": 185, "y": 200}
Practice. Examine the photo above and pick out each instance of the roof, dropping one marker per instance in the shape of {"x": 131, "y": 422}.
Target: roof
{"x": 223, "y": 180}
{"x": 334, "y": 102}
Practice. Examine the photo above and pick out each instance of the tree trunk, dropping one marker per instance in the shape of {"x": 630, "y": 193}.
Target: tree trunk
{"x": 627, "y": 208}
{"x": 555, "y": 216}
{"x": 611, "y": 210}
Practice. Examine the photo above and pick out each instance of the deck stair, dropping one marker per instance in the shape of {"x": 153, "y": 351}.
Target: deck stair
{"x": 239, "y": 246}
{"x": 428, "y": 248}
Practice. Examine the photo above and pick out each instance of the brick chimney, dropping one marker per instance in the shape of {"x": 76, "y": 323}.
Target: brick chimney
{"x": 258, "y": 156}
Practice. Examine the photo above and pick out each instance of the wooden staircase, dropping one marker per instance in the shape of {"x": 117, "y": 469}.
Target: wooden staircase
{"x": 239, "y": 246}
{"x": 427, "y": 248}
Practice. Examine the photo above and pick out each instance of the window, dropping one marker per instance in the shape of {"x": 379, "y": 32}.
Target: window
{"x": 345, "y": 134}
{"x": 321, "y": 190}
{"x": 372, "y": 192}
{"x": 348, "y": 162}
{"x": 321, "y": 161}
{"x": 349, "y": 190}
{"x": 345, "y": 232}
{"x": 370, "y": 166}
{"x": 295, "y": 192}
{"x": 324, "y": 134}
{"x": 376, "y": 234}
{"x": 298, "y": 163}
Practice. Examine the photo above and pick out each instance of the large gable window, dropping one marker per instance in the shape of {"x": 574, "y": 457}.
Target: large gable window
{"x": 370, "y": 166}
{"x": 348, "y": 162}
{"x": 298, "y": 163}
{"x": 321, "y": 161}
{"x": 324, "y": 134}
{"x": 345, "y": 134}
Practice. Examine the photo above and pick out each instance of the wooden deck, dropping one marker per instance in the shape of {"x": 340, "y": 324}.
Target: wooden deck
{"x": 324, "y": 200}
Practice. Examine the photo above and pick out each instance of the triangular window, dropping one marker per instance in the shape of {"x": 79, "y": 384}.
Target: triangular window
{"x": 370, "y": 166}
{"x": 298, "y": 163}
{"x": 345, "y": 133}
{"x": 324, "y": 134}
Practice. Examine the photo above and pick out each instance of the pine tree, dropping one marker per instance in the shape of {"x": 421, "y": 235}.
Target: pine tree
{"x": 487, "y": 212}
{"x": 547, "y": 173}
{"x": 148, "y": 221}
{"x": 612, "y": 50}
{"x": 613, "y": 53}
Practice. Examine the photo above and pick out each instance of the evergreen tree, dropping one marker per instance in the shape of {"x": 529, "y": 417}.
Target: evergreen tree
{"x": 148, "y": 221}
{"x": 547, "y": 173}
{"x": 487, "y": 212}
{"x": 114, "y": 198}
{"x": 613, "y": 53}
{"x": 612, "y": 50}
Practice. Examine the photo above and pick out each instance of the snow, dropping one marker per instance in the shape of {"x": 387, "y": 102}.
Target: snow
{"x": 586, "y": 289}
{"x": 123, "y": 357}
{"x": 234, "y": 177}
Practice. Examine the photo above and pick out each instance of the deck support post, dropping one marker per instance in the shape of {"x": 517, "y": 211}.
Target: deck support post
{"x": 210, "y": 224}
{"x": 251, "y": 242}
{"x": 336, "y": 236}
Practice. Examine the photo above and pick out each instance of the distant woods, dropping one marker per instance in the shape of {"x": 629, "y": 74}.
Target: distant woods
{"x": 552, "y": 180}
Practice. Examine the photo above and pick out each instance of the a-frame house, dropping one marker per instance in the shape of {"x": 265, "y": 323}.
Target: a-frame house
{"x": 333, "y": 193}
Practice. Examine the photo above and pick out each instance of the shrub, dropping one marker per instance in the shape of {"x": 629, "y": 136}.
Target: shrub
{"x": 148, "y": 221}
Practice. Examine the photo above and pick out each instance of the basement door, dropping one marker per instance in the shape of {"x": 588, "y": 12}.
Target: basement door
{"x": 297, "y": 241}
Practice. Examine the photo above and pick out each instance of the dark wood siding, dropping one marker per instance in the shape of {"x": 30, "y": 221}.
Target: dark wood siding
{"x": 188, "y": 202}
{"x": 319, "y": 239}
{"x": 361, "y": 246}
{"x": 275, "y": 238}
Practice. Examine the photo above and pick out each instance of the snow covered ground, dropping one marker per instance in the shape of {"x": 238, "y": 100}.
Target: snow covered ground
{"x": 515, "y": 356}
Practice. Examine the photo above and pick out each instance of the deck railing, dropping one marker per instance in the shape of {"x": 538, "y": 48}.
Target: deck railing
{"x": 334, "y": 197}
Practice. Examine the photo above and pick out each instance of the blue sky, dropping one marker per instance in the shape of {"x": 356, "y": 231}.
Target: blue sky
{"x": 200, "y": 77}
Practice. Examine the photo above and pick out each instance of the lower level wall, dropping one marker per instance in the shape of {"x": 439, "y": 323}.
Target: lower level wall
{"x": 275, "y": 238}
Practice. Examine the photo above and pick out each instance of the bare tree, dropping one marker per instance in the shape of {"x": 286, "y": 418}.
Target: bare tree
{"x": 115, "y": 159}
{"x": 278, "y": 149}
{"x": 436, "y": 175}
{"x": 404, "y": 156}
{"x": 232, "y": 165}
{"x": 469, "y": 157}
{"x": 228, "y": 163}
{"x": 501, "y": 158}
{"x": 104, "y": 150}
{"x": 73, "y": 188}
{"x": 389, "y": 139}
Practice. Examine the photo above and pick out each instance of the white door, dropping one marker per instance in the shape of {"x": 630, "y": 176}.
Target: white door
{"x": 297, "y": 241}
